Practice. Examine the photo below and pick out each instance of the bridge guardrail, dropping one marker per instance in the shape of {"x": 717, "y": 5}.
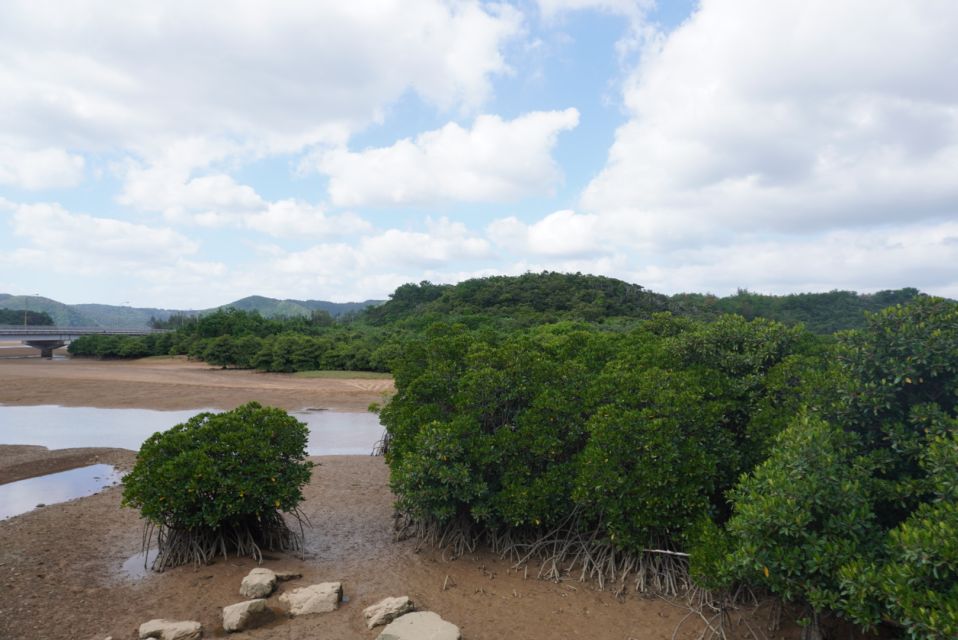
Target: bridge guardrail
{"x": 8, "y": 330}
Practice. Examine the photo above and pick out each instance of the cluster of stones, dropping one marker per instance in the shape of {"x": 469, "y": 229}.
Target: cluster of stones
{"x": 398, "y": 614}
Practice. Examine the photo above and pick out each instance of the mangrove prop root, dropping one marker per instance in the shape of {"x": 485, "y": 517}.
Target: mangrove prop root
{"x": 570, "y": 551}
{"x": 249, "y": 537}
{"x": 381, "y": 448}
{"x": 565, "y": 551}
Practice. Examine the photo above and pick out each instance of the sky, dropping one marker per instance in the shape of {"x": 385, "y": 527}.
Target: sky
{"x": 182, "y": 155}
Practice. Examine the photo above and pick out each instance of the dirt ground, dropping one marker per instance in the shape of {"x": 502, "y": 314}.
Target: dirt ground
{"x": 173, "y": 383}
{"x": 61, "y": 566}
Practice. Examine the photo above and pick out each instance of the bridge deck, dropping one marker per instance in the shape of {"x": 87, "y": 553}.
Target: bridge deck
{"x": 67, "y": 333}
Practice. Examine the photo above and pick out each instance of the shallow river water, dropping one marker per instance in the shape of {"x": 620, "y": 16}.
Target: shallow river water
{"x": 24, "y": 495}
{"x": 330, "y": 432}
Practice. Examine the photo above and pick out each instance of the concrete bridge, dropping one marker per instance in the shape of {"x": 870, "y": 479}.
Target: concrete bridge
{"x": 46, "y": 339}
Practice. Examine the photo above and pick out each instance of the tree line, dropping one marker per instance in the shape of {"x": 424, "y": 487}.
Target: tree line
{"x": 31, "y": 318}
{"x": 364, "y": 340}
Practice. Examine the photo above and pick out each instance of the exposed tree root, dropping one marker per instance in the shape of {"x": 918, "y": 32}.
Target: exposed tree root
{"x": 381, "y": 448}
{"x": 568, "y": 551}
{"x": 249, "y": 537}
{"x": 454, "y": 539}
{"x": 565, "y": 551}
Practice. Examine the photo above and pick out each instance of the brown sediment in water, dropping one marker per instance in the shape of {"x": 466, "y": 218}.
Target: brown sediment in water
{"x": 61, "y": 566}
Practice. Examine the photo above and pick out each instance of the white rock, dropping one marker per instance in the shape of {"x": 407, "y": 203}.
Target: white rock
{"x": 258, "y": 583}
{"x": 246, "y": 615}
{"x": 317, "y": 598}
{"x": 422, "y": 625}
{"x": 171, "y": 630}
{"x": 386, "y": 610}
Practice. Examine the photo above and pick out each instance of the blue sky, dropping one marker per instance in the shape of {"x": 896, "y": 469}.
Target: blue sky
{"x": 181, "y": 156}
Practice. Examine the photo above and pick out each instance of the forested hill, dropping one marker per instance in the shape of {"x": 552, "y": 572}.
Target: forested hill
{"x": 821, "y": 313}
{"x": 536, "y": 298}
{"x": 532, "y": 298}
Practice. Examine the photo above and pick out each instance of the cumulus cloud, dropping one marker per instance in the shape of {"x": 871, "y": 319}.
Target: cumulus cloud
{"x": 217, "y": 200}
{"x": 443, "y": 242}
{"x": 633, "y": 9}
{"x": 563, "y": 234}
{"x": 788, "y": 117}
{"x": 294, "y": 218}
{"x": 74, "y": 243}
{"x": 887, "y": 257}
{"x": 211, "y": 200}
{"x": 494, "y": 160}
{"x": 41, "y": 168}
{"x": 372, "y": 267}
{"x": 139, "y": 74}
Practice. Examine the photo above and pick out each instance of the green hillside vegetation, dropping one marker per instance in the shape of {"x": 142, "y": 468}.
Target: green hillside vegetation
{"x": 110, "y": 316}
{"x": 821, "y": 313}
{"x": 273, "y": 308}
{"x": 529, "y": 299}
{"x": 31, "y": 318}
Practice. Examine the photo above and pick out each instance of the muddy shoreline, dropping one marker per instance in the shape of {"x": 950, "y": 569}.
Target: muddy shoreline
{"x": 18, "y": 462}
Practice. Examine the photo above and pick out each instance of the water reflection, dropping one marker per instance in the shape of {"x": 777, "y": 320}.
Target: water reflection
{"x": 330, "y": 432}
{"x": 24, "y": 495}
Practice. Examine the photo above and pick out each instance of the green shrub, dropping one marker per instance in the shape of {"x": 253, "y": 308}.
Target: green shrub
{"x": 916, "y": 581}
{"x": 219, "y": 482}
{"x": 802, "y": 515}
{"x": 616, "y": 441}
{"x": 854, "y": 511}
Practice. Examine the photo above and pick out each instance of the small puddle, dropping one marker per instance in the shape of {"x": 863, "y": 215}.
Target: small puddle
{"x": 25, "y": 495}
{"x": 137, "y": 566}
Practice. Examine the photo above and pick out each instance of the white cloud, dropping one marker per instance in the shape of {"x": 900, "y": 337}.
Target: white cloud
{"x": 636, "y": 9}
{"x": 563, "y": 234}
{"x": 920, "y": 254}
{"x": 40, "y": 168}
{"x": 370, "y": 268}
{"x": 495, "y": 160}
{"x": 100, "y": 76}
{"x": 791, "y": 117}
{"x": 211, "y": 200}
{"x": 76, "y": 243}
{"x": 883, "y": 257}
{"x": 217, "y": 200}
{"x": 443, "y": 242}
{"x": 293, "y": 218}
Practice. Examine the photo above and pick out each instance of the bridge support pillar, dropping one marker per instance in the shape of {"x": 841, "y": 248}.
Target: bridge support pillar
{"x": 46, "y": 347}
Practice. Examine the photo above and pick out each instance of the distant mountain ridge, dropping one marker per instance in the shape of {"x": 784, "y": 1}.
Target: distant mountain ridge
{"x": 271, "y": 307}
{"x": 113, "y": 316}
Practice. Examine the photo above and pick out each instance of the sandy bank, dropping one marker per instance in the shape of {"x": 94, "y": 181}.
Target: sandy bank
{"x": 174, "y": 383}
